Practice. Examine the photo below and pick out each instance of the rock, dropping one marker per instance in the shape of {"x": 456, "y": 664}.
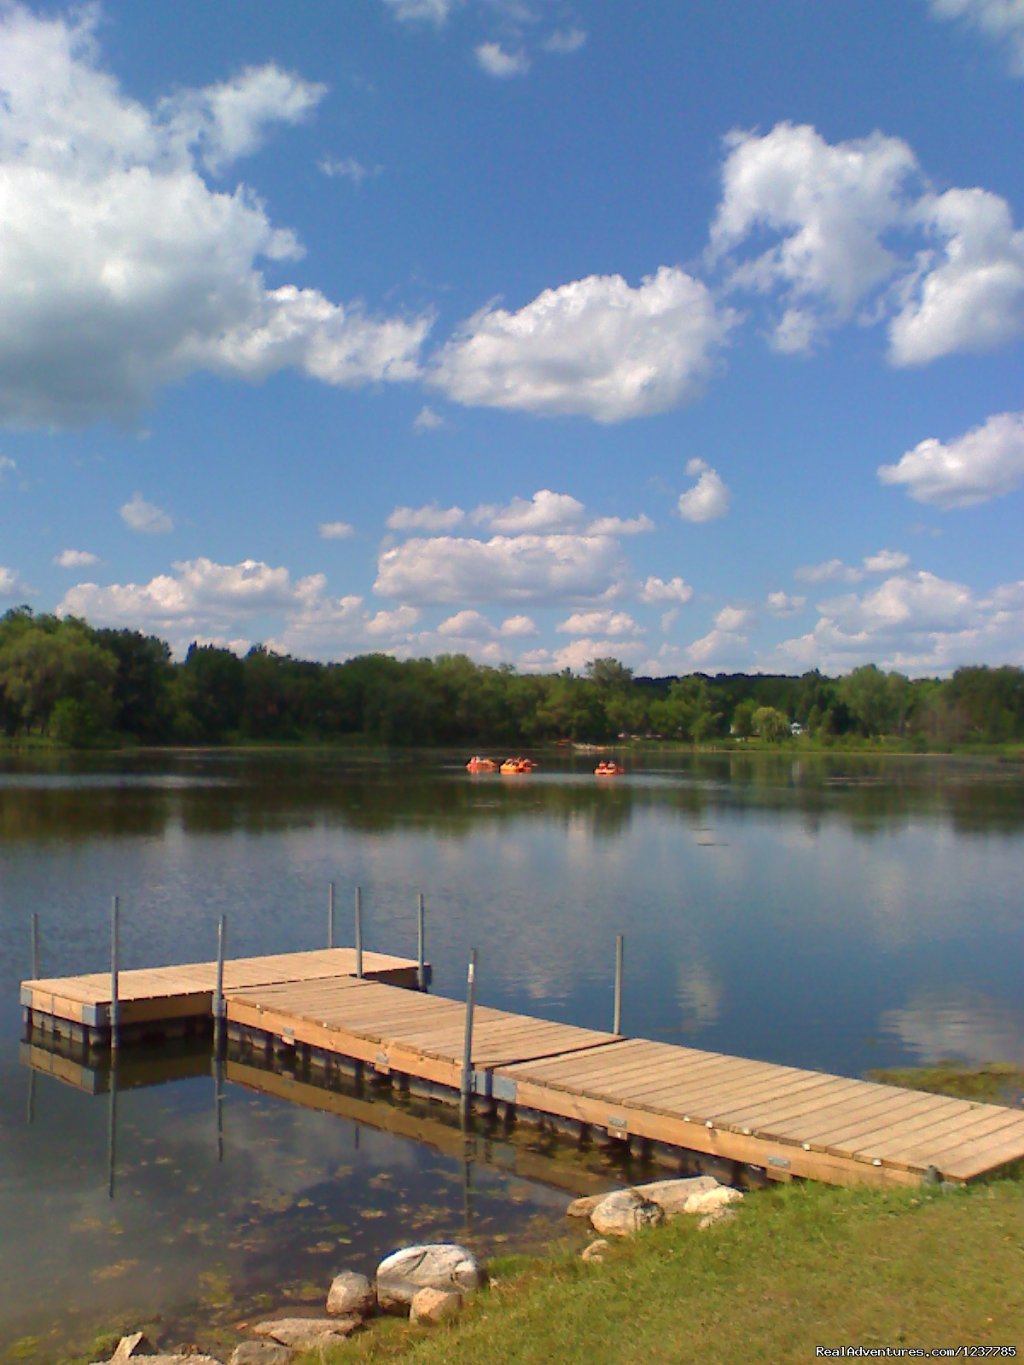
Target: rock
{"x": 302, "y": 1334}
{"x": 352, "y": 1294}
{"x": 673, "y": 1196}
{"x": 439, "y": 1265}
{"x": 721, "y": 1215}
{"x": 585, "y": 1205}
{"x": 595, "y": 1251}
{"x": 128, "y": 1348}
{"x": 624, "y": 1212}
{"x": 435, "y": 1305}
{"x": 260, "y": 1353}
{"x": 711, "y": 1200}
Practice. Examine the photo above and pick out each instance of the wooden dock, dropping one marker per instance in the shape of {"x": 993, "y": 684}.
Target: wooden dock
{"x": 161, "y": 995}
{"x": 784, "y": 1120}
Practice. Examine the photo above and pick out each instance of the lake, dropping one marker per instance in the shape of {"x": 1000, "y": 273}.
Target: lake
{"x": 840, "y": 913}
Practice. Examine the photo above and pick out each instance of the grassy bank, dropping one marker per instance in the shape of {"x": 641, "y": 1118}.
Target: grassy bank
{"x": 801, "y": 1266}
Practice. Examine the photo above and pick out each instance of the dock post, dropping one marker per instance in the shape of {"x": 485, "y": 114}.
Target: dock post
{"x": 359, "y": 932}
{"x": 218, "y": 998}
{"x": 617, "y": 1026}
{"x": 466, "y": 1092}
{"x": 115, "y": 1002}
{"x": 112, "y": 1130}
{"x": 421, "y": 943}
{"x": 35, "y": 945}
{"x": 330, "y": 914}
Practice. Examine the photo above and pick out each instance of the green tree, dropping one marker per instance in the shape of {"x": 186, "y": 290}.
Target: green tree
{"x": 770, "y": 724}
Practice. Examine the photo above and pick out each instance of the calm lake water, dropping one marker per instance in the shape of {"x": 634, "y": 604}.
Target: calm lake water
{"x": 839, "y": 913}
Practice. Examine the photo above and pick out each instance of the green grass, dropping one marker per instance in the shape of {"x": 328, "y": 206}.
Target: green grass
{"x": 994, "y": 1082}
{"x": 800, "y": 1266}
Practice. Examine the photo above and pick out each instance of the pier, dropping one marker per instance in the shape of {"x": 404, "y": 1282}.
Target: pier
{"x": 785, "y": 1121}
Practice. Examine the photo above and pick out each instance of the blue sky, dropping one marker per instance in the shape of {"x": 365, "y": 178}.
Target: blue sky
{"x": 687, "y": 332}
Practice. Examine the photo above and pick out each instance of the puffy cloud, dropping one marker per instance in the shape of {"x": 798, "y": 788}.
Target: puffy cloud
{"x": 12, "y": 584}
{"x": 986, "y": 462}
{"x": 886, "y": 561}
{"x": 596, "y": 348}
{"x": 145, "y": 517}
{"x": 611, "y": 623}
{"x": 526, "y": 568}
{"x": 969, "y": 297}
{"x": 207, "y": 601}
{"x": 430, "y": 518}
{"x": 75, "y": 559}
{"x": 915, "y": 622}
{"x": 829, "y": 206}
{"x": 734, "y": 619}
{"x": 335, "y": 530}
{"x": 577, "y": 654}
{"x": 658, "y": 590}
{"x": 708, "y": 499}
{"x": 782, "y": 604}
{"x": 422, "y": 11}
{"x": 227, "y": 121}
{"x": 121, "y": 269}
{"x": 515, "y": 626}
{"x": 620, "y": 526}
{"x": 467, "y": 624}
{"x": 496, "y": 61}
{"x": 545, "y": 511}
{"x": 1000, "y": 20}
{"x": 719, "y": 651}
{"x": 565, "y": 41}
{"x": 427, "y": 419}
{"x": 828, "y": 572}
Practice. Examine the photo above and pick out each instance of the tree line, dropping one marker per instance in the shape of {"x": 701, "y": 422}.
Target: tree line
{"x": 83, "y": 686}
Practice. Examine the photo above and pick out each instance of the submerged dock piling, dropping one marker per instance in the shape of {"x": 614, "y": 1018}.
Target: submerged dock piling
{"x": 115, "y": 972}
{"x": 466, "y": 1088}
{"x": 218, "y": 992}
{"x": 619, "y": 953}
{"x": 359, "y": 932}
{"x": 421, "y": 942}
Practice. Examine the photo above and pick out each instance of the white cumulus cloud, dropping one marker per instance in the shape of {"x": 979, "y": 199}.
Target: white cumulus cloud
{"x": 986, "y": 462}
{"x": 422, "y": 11}
{"x": 515, "y": 626}
{"x": 969, "y": 294}
{"x": 783, "y": 604}
{"x": 611, "y": 623}
{"x": 1002, "y": 21}
{"x": 596, "y": 348}
{"x": 828, "y": 205}
{"x": 660, "y": 590}
{"x": 335, "y": 530}
{"x": 145, "y": 517}
{"x": 429, "y": 518}
{"x": 121, "y": 268}
{"x": 75, "y": 559}
{"x": 427, "y": 419}
{"x": 545, "y": 511}
{"x": 565, "y": 41}
{"x": 525, "y": 568}
{"x": 621, "y": 526}
{"x": 708, "y": 499}
{"x": 498, "y": 62}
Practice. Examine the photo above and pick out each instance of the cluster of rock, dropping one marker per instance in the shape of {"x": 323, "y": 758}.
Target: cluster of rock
{"x": 429, "y": 1282}
{"x": 625, "y": 1211}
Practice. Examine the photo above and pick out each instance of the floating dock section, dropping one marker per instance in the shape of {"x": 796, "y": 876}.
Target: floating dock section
{"x": 784, "y": 1120}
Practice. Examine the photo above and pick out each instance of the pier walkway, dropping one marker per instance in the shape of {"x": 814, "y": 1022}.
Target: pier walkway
{"x": 785, "y": 1120}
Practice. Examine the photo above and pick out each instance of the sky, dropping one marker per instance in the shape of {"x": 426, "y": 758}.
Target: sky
{"x": 685, "y": 332}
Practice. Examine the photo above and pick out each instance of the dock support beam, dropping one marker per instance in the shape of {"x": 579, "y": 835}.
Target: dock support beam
{"x": 421, "y": 943}
{"x": 466, "y": 1094}
{"x": 115, "y": 1003}
{"x": 619, "y": 952}
{"x": 218, "y": 995}
{"x": 359, "y": 932}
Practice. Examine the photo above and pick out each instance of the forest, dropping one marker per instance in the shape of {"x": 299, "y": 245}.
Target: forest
{"x": 79, "y": 686}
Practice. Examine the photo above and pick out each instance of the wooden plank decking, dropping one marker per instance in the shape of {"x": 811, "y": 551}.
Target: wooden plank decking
{"x": 159, "y": 994}
{"x": 789, "y": 1121}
